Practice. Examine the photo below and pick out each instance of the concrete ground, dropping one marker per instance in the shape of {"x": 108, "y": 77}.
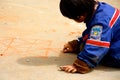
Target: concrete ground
{"x": 32, "y": 35}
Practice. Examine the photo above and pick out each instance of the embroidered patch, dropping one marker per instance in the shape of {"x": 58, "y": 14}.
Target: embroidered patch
{"x": 96, "y": 32}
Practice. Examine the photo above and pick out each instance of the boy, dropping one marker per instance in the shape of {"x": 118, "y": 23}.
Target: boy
{"x": 100, "y": 41}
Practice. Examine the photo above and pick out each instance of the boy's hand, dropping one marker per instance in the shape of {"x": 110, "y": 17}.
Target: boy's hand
{"x": 72, "y": 47}
{"x": 68, "y": 68}
{"x": 67, "y": 48}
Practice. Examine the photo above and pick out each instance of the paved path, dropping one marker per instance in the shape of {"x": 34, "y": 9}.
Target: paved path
{"x": 32, "y": 35}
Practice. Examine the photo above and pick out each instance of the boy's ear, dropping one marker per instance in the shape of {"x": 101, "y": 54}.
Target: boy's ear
{"x": 82, "y": 18}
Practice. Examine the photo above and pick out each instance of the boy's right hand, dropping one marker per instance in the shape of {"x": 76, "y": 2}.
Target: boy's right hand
{"x": 67, "y": 48}
{"x": 72, "y": 47}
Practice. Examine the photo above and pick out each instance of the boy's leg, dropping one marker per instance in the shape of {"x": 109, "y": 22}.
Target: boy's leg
{"x": 111, "y": 61}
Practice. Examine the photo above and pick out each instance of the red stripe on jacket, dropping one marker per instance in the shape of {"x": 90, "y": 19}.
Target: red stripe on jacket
{"x": 114, "y": 18}
{"x": 98, "y": 43}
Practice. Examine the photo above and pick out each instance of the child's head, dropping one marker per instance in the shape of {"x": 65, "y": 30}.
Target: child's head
{"x": 75, "y": 8}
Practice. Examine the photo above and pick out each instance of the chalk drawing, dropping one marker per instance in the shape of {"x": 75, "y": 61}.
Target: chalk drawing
{"x": 10, "y": 46}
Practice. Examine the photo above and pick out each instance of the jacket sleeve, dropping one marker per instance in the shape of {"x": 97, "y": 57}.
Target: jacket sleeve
{"x": 81, "y": 66}
{"x": 96, "y": 46}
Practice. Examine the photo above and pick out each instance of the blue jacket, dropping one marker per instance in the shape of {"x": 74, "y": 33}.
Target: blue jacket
{"x": 102, "y": 36}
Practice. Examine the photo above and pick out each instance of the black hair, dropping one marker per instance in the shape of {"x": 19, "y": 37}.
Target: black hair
{"x": 74, "y": 8}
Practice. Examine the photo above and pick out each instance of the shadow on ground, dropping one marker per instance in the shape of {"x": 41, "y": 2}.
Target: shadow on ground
{"x": 63, "y": 59}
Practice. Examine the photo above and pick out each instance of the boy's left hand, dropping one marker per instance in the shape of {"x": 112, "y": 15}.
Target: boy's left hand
{"x": 68, "y": 68}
